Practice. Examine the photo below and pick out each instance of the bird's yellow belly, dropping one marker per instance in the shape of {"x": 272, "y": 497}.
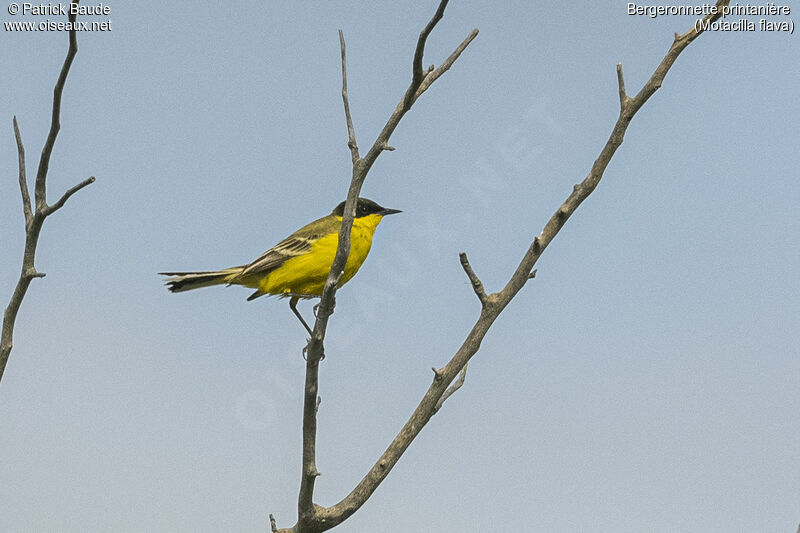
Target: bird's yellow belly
{"x": 305, "y": 275}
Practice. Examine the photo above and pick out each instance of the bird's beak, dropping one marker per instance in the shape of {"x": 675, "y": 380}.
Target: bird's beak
{"x": 386, "y": 211}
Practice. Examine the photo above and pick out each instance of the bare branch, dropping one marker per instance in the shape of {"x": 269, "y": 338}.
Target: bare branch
{"x": 305, "y": 502}
{"x": 416, "y": 422}
{"x": 50, "y": 209}
{"x": 416, "y": 90}
{"x": 40, "y": 189}
{"x": 462, "y": 376}
{"x": 272, "y": 525}
{"x": 315, "y": 518}
{"x": 23, "y": 180}
{"x": 416, "y": 67}
{"x": 621, "y": 83}
{"x": 331, "y": 516}
{"x": 351, "y": 132}
{"x": 628, "y": 108}
{"x": 444, "y": 67}
{"x": 361, "y": 167}
{"x": 35, "y": 215}
{"x": 477, "y": 286}
{"x": 311, "y": 516}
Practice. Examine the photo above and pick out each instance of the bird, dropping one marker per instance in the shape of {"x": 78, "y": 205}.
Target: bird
{"x": 298, "y": 266}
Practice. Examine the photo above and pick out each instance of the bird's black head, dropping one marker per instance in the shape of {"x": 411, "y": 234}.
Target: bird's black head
{"x": 365, "y": 207}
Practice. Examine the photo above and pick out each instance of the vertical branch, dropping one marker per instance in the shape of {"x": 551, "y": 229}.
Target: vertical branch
{"x": 416, "y": 66}
{"x": 309, "y": 514}
{"x": 23, "y": 180}
{"x": 305, "y": 501}
{"x": 351, "y": 132}
{"x": 40, "y": 188}
{"x": 621, "y": 87}
{"x": 35, "y": 215}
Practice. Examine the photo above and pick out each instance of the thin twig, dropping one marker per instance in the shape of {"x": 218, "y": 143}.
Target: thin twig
{"x": 477, "y": 286}
{"x": 462, "y": 376}
{"x": 351, "y": 132}
{"x": 383, "y": 138}
{"x": 444, "y": 67}
{"x": 23, "y": 180}
{"x": 621, "y": 84}
{"x": 50, "y": 209}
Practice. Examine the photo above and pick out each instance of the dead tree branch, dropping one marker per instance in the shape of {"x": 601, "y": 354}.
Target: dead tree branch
{"x": 351, "y": 132}
{"x": 314, "y": 518}
{"x": 35, "y": 215}
{"x": 477, "y": 285}
{"x": 462, "y": 376}
{"x": 311, "y": 517}
{"x": 628, "y": 108}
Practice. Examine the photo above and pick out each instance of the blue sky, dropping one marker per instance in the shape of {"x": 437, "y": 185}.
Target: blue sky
{"x": 646, "y": 380}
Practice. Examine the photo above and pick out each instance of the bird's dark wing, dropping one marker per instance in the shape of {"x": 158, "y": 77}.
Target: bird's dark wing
{"x": 298, "y": 243}
{"x": 277, "y": 255}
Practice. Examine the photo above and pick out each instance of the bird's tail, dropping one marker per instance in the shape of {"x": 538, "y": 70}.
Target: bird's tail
{"x": 186, "y": 281}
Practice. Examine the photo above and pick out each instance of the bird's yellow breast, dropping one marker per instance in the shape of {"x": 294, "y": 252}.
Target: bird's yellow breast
{"x": 305, "y": 275}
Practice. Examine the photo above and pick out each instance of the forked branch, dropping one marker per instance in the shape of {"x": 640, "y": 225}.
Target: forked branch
{"x": 628, "y": 108}
{"x": 35, "y": 215}
{"x": 313, "y": 518}
{"x": 416, "y": 66}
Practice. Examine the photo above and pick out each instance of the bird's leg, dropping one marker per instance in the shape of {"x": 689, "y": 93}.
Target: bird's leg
{"x": 293, "y": 307}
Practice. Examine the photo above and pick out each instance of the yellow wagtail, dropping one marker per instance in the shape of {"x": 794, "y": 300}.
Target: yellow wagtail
{"x": 298, "y": 266}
